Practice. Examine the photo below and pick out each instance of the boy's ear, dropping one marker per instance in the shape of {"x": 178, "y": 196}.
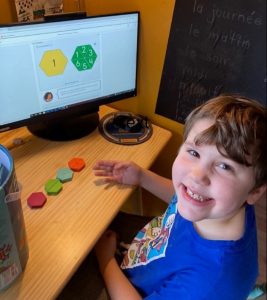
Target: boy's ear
{"x": 257, "y": 194}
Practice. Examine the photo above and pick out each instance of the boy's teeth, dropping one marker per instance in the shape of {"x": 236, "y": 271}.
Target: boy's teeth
{"x": 195, "y": 196}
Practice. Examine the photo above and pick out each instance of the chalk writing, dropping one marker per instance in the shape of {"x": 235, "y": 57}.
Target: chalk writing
{"x": 214, "y": 46}
{"x": 231, "y": 38}
{"x": 216, "y": 13}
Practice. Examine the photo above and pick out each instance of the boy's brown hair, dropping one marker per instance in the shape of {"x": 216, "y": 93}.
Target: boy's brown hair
{"x": 239, "y": 129}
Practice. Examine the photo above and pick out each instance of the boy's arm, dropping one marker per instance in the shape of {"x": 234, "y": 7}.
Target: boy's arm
{"x": 159, "y": 186}
{"x": 117, "y": 284}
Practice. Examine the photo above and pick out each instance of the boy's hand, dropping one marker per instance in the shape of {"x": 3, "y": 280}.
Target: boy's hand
{"x": 118, "y": 171}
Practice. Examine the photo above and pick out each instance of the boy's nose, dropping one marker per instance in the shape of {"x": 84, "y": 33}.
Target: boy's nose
{"x": 200, "y": 175}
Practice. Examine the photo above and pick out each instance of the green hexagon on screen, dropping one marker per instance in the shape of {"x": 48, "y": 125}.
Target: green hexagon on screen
{"x": 84, "y": 57}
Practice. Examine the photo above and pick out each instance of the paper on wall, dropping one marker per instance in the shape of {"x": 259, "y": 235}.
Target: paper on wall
{"x": 30, "y": 10}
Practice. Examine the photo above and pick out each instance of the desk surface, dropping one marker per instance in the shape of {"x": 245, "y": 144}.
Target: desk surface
{"x": 62, "y": 233}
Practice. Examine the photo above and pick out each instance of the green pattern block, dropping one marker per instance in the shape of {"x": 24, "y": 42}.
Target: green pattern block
{"x": 84, "y": 57}
{"x": 53, "y": 187}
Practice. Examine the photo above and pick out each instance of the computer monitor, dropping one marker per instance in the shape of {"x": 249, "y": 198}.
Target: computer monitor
{"x": 55, "y": 75}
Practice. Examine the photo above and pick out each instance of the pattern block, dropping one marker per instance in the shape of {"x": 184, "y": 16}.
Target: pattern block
{"x": 84, "y": 57}
{"x": 64, "y": 174}
{"x": 53, "y": 62}
{"x": 36, "y": 200}
{"x": 76, "y": 164}
{"x": 53, "y": 187}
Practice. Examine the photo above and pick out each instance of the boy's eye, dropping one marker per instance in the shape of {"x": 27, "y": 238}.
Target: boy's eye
{"x": 193, "y": 153}
{"x": 225, "y": 166}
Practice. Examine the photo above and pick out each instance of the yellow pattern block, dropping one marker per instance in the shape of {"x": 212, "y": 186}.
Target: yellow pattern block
{"x": 53, "y": 62}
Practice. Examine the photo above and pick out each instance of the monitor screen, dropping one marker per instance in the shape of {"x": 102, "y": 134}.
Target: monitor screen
{"x": 60, "y": 72}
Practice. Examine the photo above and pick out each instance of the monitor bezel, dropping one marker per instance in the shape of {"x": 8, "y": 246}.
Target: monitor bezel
{"x": 82, "y": 108}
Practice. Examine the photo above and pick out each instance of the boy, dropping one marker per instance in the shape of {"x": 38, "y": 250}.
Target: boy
{"x": 205, "y": 245}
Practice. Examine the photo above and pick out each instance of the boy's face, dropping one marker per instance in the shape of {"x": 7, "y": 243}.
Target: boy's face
{"x": 209, "y": 185}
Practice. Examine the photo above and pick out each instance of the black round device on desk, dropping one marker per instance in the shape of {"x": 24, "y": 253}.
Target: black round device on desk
{"x": 125, "y": 128}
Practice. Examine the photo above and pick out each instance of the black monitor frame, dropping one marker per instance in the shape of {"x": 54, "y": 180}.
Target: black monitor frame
{"x": 78, "y": 119}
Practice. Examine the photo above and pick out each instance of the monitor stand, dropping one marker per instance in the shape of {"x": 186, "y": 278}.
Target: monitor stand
{"x": 70, "y": 128}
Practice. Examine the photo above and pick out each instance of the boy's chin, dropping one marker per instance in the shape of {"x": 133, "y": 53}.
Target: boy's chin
{"x": 188, "y": 215}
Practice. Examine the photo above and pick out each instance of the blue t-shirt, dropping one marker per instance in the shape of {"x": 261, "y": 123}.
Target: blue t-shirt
{"x": 168, "y": 259}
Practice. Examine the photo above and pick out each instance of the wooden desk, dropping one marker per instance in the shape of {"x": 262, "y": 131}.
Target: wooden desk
{"x": 61, "y": 234}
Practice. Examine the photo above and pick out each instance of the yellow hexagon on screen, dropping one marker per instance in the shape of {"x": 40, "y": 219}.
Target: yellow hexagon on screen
{"x": 53, "y": 62}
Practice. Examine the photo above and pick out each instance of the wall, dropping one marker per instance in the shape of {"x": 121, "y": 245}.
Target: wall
{"x": 7, "y": 12}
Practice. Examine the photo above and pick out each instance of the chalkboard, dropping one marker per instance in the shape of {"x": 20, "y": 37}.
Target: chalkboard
{"x": 214, "y": 47}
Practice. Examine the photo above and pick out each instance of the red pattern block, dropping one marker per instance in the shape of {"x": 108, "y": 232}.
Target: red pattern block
{"x": 36, "y": 200}
{"x": 76, "y": 164}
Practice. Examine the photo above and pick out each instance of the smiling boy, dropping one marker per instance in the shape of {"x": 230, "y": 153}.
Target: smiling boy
{"x": 205, "y": 246}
